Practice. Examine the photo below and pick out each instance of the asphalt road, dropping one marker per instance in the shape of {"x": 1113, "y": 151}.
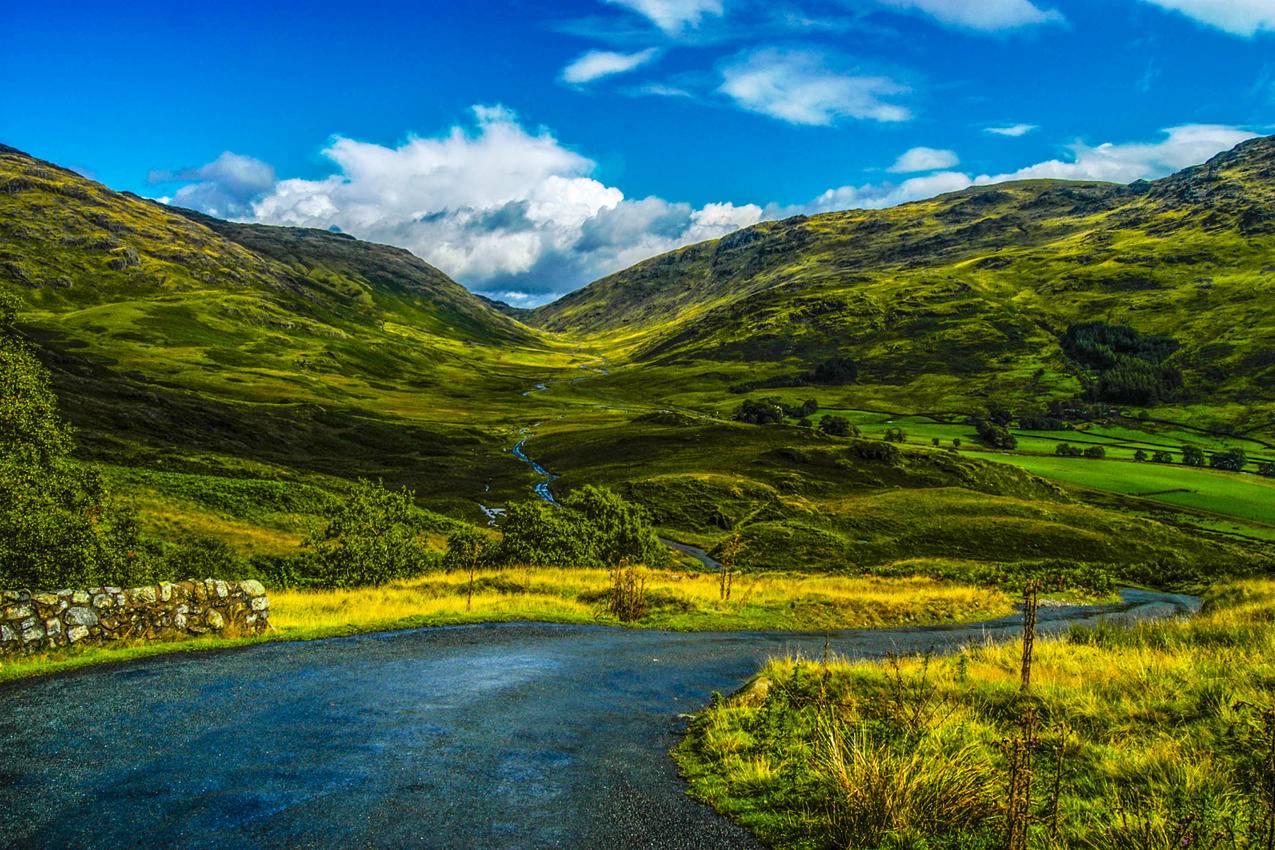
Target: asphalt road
{"x": 517, "y": 736}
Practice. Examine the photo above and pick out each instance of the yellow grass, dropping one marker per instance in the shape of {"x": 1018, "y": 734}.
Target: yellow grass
{"x": 677, "y": 600}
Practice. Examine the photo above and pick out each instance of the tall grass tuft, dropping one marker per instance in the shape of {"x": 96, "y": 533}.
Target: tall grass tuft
{"x": 876, "y": 791}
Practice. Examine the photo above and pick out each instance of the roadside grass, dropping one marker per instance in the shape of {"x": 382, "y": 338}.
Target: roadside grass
{"x": 1149, "y": 735}
{"x": 677, "y": 601}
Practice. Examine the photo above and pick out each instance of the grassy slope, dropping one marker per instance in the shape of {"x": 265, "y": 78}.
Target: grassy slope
{"x": 931, "y": 730}
{"x": 230, "y": 378}
{"x": 1161, "y": 722}
{"x": 954, "y": 300}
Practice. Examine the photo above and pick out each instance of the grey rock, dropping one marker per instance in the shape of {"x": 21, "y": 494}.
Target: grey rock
{"x": 77, "y": 633}
{"x": 81, "y": 617}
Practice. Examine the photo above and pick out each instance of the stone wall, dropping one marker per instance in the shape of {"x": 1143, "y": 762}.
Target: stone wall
{"x": 31, "y": 621}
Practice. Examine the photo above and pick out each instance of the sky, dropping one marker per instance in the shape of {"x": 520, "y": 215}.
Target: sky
{"x": 527, "y": 147}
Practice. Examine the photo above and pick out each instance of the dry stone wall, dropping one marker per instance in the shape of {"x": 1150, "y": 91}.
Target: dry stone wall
{"x": 32, "y": 621}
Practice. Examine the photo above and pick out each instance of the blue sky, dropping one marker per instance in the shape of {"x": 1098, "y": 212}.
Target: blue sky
{"x": 526, "y": 147}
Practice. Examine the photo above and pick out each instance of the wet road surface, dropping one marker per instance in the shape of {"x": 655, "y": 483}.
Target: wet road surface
{"x": 516, "y": 735}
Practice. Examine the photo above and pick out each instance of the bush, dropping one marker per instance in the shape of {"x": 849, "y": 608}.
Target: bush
{"x": 838, "y": 426}
{"x": 764, "y": 412}
{"x": 58, "y": 527}
{"x": 1096, "y": 452}
{"x": 371, "y": 538}
{"x": 594, "y": 527}
{"x": 895, "y": 435}
{"x": 1140, "y": 456}
{"x": 1192, "y": 456}
{"x": 995, "y": 436}
{"x": 875, "y": 450}
{"x": 1232, "y": 460}
{"x": 835, "y": 372}
{"x": 1266, "y": 468}
{"x": 1162, "y": 457}
{"x": 204, "y": 557}
{"x": 1067, "y": 450}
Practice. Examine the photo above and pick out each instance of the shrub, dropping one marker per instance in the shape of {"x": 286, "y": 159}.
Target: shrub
{"x": 1266, "y": 468}
{"x": 204, "y": 557}
{"x": 371, "y": 538}
{"x": 58, "y": 526}
{"x": 1067, "y": 450}
{"x": 1140, "y": 456}
{"x": 1192, "y": 456}
{"x": 995, "y": 436}
{"x": 895, "y": 435}
{"x": 875, "y": 450}
{"x": 764, "y": 412}
{"x": 838, "y": 426}
{"x": 835, "y": 371}
{"x": 594, "y": 527}
{"x": 1096, "y": 452}
{"x": 1232, "y": 460}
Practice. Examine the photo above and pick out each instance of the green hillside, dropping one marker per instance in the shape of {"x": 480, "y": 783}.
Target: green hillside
{"x": 949, "y": 302}
{"x": 229, "y": 379}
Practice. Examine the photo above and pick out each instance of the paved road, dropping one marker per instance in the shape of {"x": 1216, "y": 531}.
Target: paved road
{"x": 517, "y": 736}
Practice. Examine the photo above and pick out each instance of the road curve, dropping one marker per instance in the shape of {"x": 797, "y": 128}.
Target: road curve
{"x": 495, "y": 736}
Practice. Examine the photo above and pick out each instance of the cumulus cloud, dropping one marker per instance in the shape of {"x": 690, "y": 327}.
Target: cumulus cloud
{"x": 516, "y": 215}
{"x": 1238, "y": 17}
{"x": 805, "y": 87}
{"x": 225, "y": 187}
{"x": 987, "y": 15}
{"x": 596, "y": 64}
{"x": 672, "y": 16}
{"x": 1014, "y": 131}
{"x": 1123, "y": 163}
{"x": 502, "y": 208}
{"x": 924, "y": 159}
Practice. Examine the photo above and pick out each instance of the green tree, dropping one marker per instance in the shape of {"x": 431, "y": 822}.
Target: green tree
{"x": 994, "y": 435}
{"x": 1140, "y": 456}
{"x": 539, "y": 534}
{"x": 1192, "y": 456}
{"x": 835, "y": 372}
{"x": 465, "y": 550}
{"x": 1232, "y": 460}
{"x": 1162, "y": 457}
{"x": 837, "y": 426}
{"x": 619, "y": 529}
{"x": 370, "y": 538}
{"x": 1096, "y": 452}
{"x": 764, "y": 412}
{"x": 57, "y": 526}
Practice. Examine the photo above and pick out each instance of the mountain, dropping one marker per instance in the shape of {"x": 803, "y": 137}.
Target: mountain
{"x": 215, "y": 370}
{"x": 948, "y": 302}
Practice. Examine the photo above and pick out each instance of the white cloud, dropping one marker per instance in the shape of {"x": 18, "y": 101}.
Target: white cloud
{"x": 1122, "y": 163}
{"x": 1184, "y": 146}
{"x": 225, "y": 187}
{"x": 596, "y": 64}
{"x": 877, "y": 196}
{"x": 801, "y": 87}
{"x": 660, "y": 90}
{"x": 514, "y": 214}
{"x": 672, "y": 16}
{"x": 501, "y": 208}
{"x": 924, "y": 159}
{"x": 1238, "y": 17}
{"x": 984, "y": 15}
{"x": 1014, "y": 131}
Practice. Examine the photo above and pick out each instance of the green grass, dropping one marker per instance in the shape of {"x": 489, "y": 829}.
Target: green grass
{"x": 1161, "y": 725}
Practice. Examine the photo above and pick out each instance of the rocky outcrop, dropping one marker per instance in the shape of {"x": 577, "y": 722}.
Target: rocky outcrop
{"x": 31, "y": 621}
